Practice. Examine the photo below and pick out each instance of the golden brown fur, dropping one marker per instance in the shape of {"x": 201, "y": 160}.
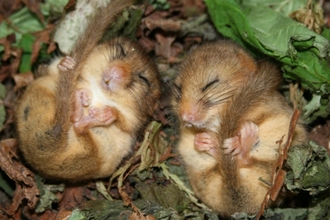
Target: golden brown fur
{"x": 50, "y": 115}
{"x": 220, "y": 88}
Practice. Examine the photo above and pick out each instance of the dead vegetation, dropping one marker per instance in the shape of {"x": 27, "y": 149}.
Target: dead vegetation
{"x": 149, "y": 185}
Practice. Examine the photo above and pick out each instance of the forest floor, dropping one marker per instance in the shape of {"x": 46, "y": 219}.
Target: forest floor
{"x": 160, "y": 191}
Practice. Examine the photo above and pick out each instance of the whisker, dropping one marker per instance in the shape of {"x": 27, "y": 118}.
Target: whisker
{"x": 221, "y": 100}
{"x": 174, "y": 89}
{"x": 135, "y": 96}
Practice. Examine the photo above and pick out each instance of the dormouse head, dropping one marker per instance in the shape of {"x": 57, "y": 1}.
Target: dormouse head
{"x": 126, "y": 74}
{"x": 207, "y": 80}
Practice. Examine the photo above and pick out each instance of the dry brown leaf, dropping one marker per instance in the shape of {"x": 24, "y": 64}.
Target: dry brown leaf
{"x": 7, "y": 7}
{"x": 26, "y": 188}
{"x": 2, "y": 215}
{"x": 135, "y": 216}
{"x": 34, "y": 216}
{"x": 63, "y": 214}
{"x": 176, "y": 49}
{"x": 28, "y": 192}
{"x": 52, "y": 46}
{"x": 194, "y": 3}
{"x": 33, "y": 5}
{"x": 43, "y": 36}
{"x": 5, "y": 71}
{"x": 149, "y": 9}
{"x": 163, "y": 48}
{"x": 167, "y": 155}
{"x": 178, "y": 9}
{"x": 128, "y": 202}
{"x": 193, "y": 7}
{"x": 15, "y": 171}
{"x": 8, "y": 67}
{"x": 150, "y": 217}
{"x": 6, "y": 42}
{"x": 164, "y": 24}
{"x": 46, "y": 215}
{"x": 16, "y": 56}
{"x": 71, "y": 197}
{"x": 147, "y": 44}
{"x": 9, "y": 146}
{"x": 70, "y": 4}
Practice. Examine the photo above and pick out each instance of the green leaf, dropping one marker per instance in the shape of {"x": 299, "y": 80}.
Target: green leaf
{"x": 283, "y": 7}
{"x": 159, "y": 4}
{"x": 167, "y": 196}
{"x": 2, "y": 91}
{"x": 25, "y": 65}
{"x": 2, "y": 107}
{"x": 326, "y": 33}
{"x": 230, "y": 21}
{"x": 317, "y": 106}
{"x": 303, "y": 53}
{"x": 22, "y": 22}
{"x": 46, "y": 201}
{"x": 26, "y": 42}
{"x": 47, "y": 194}
{"x": 320, "y": 209}
{"x": 134, "y": 21}
{"x": 2, "y": 115}
{"x": 286, "y": 214}
{"x": 53, "y": 7}
{"x": 5, "y": 184}
{"x": 309, "y": 168}
{"x": 77, "y": 215}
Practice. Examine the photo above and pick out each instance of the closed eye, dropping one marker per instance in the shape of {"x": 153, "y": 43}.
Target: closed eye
{"x": 209, "y": 85}
{"x": 144, "y": 79}
{"x": 119, "y": 52}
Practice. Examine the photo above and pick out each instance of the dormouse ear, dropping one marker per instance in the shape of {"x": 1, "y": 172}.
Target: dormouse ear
{"x": 249, "y": 64}
{"x": 41, "y": 70}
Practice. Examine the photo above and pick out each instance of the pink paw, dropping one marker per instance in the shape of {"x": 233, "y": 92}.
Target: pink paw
{"x": 67, "y": 63}
{"x": 82, "y": 100}
{"x": 104, "y": 116}
{"x": 97, "y": 117}
{"x": 85, "y": 98}
{"x": 241, "y": 145}
{"x": 206, "y": 142}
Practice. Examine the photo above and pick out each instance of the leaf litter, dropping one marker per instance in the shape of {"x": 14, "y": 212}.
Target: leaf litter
{"x": 151, "y": 184}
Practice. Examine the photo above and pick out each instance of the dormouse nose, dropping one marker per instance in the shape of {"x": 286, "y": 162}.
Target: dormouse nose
{"x": 189, "y": 113}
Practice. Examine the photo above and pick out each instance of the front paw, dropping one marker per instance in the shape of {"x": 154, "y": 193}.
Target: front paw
{"x": 241, "y": 145}
{"x": 97, "y": 117}
{"x": 206, "y": 142}
{"x": 103, "y": 116}
{"x": 67, "y": 63}
{"x": 83, "y": 99}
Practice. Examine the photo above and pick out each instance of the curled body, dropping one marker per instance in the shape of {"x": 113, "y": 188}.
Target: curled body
{"x": 231, "y": 117}
{"x": 81, "y": 118}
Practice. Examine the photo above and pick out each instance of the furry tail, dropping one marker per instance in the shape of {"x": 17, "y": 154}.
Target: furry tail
{"x": 85, "y": 44}
{"x": 265, "y": 80}
{"x": 97, "y": 27}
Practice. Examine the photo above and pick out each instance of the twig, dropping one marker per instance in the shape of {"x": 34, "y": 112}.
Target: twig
{"x": 278, "y": 172}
